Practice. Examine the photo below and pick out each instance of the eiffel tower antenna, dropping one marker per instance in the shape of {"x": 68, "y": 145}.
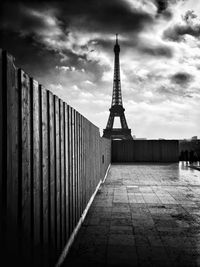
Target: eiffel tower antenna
{"x": 117, "y": 109}
{"x": 116, "y": 38}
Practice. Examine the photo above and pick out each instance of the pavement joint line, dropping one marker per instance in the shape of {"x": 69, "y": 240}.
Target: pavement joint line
{"x": 106, "y": 174}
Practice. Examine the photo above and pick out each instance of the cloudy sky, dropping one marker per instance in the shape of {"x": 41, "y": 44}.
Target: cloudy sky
{"x": 68, "y": 47}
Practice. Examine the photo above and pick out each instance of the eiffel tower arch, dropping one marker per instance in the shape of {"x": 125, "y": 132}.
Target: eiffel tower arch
{"x": 117, "y": 109}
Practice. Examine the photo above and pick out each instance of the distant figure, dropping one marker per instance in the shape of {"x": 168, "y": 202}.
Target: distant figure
{"x": 191, "y": 157}
{"x": 195, "y": 157}
{"x": 186, "y": 155}
{"x": 182, "y": 156}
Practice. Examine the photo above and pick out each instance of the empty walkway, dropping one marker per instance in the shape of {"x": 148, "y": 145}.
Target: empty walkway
{"x": 144, "y": 215}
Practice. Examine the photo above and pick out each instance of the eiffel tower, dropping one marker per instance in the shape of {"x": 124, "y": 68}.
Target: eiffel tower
{"x": 117, "y": 109}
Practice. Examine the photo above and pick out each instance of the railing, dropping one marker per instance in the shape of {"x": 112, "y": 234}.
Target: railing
{"x": 51, "y": 161}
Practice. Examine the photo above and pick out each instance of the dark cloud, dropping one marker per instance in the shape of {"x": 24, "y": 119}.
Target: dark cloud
{"x": 178, "y": 31}
{"x": 98, "y": 16}
{"x": 161, "y": 5}
{"x": 108, "y": 44}
{"x": 48, "y": 24}
{"x": 32, "y": 58}
{"x": 109, "y": 16}
{"x": 189, "y": 16}
{"x": 16, "y": 17}
{"x": 138, "y": 45}
{"x": 181, "y": 78}
{"x": 163, "y": 9}
{"x": 170, "y": 92}
{"x": 166, "y": 91}
{"x": 158, "y": 51}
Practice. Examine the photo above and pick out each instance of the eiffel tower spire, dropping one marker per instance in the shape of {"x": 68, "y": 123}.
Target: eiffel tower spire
{"x": 117, "y": 109}
{"x": 117, "y": 94}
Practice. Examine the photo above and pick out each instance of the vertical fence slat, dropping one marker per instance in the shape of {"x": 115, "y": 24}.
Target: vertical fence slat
{"x": 78, "y": 167}
{"x": 26, "y": 164}
{"x": 70, "y": 169}
{"x": 1, "y": 151}
{"x": 84, "y": 163}
{"x": 75, "y": 166}
{"x": 66, "y": 172}
{"x": 81, "y": 164}
{"x": 62, "y": 172}
{"x": 12, "y": 130}
{"x": 45, "y": 169}
{"x": 73, "y": 170}
{"x": 36, "y": 169}
{"x": 57, "y": 128}
{"x": 87, "y": 161}
{"x": 52, "y": 174}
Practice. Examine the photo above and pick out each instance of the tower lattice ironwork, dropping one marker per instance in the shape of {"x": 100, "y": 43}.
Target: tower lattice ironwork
{"x": 117, "y": 109}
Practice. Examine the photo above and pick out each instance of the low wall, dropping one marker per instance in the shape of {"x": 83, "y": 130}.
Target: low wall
{"x": 51, "y": 161}
{"x": 145, "y": 151}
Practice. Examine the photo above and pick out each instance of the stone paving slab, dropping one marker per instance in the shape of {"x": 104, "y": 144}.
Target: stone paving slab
{"x": 143, "y": 215}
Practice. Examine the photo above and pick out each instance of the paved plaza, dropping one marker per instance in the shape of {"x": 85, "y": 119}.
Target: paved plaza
{"x": 143, "y": 215}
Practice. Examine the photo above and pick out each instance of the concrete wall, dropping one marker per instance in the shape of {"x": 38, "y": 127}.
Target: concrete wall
{"x": 145, "y": 151}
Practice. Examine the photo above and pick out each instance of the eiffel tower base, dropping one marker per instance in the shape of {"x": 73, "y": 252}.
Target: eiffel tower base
{"x": 123, "y": 134}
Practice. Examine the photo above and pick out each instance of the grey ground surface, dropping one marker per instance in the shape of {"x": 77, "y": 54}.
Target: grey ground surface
{"x": 143, "y": 215}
